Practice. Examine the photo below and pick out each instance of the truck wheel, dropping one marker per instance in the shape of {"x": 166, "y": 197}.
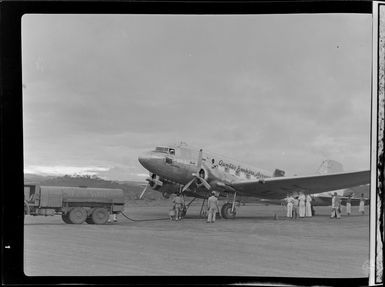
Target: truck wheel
{"x": 89, "y": 220}
{"x": 100, "y": 215}
{"x": 77, "y": 215}
{"x": 65, "y": 218}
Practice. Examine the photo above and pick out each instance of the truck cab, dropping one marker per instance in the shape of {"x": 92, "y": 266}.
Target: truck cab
{"x": 31, "y": 193}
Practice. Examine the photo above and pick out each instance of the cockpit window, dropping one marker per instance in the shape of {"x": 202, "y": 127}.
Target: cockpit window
{"x": 165, "y": 150}
{"x": 161, "y": 149}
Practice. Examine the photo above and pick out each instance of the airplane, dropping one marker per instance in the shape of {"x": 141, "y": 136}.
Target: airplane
{"x": 180, "y": 168}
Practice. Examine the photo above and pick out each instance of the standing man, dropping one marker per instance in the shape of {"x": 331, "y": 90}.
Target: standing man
{"x": 333, "y": 211}
{"x": 290, "y": 201}
{"x": 349, "y": 205}
{"x": 212, "y": 203}
{"x": 301, "y": 207}
{"x": 295, "y": 207}
{"x": 178, "y": 203}
{"x": 338, "y": 206}
{"x": 114, "y": 218}
{"x": 308, "y": 206}
{"x": 362, "y": 204}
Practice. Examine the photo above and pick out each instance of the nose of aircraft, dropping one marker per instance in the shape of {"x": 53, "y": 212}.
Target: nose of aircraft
{"x": 151, "y": 161}
{"x": 144, "y": 159}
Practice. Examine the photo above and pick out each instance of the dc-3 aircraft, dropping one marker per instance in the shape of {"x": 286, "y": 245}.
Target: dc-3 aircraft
{"x": 180, "y": 168}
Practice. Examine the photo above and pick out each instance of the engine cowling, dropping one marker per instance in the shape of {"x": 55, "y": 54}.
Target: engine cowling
{"x": 155, "y": 182}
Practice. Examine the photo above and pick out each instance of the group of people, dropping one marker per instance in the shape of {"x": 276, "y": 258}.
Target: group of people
{"x": 299, "y": 206}
{"x": 179, "y": 205}
{"x": 336, "y": 205}
{"x": 177, "y": 208}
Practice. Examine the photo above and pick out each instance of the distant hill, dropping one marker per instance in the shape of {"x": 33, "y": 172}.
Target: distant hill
{"x": 131, "y": 189}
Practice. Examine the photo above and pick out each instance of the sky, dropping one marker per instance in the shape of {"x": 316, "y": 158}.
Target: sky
{"x": 272, "y": 91}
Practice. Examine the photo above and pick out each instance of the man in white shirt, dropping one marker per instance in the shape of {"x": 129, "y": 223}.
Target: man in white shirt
{"x": 308, "y": 206}
{"x": 301, "y": 208}
{"x": 212, "y": 203}
{"x": 290, "y": 201}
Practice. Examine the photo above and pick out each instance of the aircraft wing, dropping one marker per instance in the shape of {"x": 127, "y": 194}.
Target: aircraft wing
{"x": 278, "y": 187}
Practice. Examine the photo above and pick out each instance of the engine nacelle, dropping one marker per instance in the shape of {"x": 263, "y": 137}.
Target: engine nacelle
{"x": 155, "y": 182}
{"x": 203, "y": 173}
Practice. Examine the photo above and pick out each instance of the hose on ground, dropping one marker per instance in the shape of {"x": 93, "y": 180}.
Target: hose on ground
{"x": 138, "y": 220}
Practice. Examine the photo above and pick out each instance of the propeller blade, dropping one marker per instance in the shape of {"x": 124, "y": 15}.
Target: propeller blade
{"x": 205, "y": 183}
{"x": 144, "y": 190}
{"x": 188, "y": 184}
{"x": 199, "y": 163}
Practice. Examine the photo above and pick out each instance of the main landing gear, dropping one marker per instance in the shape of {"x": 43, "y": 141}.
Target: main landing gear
{"x": 228, "y": 210}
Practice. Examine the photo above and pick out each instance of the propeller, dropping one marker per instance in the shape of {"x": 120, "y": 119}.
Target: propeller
{"x": 196, "y": 177}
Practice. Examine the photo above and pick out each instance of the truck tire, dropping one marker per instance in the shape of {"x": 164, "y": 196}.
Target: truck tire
{"x": 100, "y": 215}
{"x": 77, "y": 215}
{"x": 65, "y": 218}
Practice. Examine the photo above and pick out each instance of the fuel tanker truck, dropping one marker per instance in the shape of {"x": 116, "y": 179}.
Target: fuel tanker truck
{"x": 75, "y": 204}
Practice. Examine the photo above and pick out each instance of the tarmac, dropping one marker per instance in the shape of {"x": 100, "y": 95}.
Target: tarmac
{"x": 253, "y": 244}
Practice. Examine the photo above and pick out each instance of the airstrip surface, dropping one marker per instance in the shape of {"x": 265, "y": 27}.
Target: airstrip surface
{"x": 253, "y": 244}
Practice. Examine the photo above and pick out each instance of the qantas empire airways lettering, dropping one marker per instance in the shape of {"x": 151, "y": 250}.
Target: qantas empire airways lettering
{"x": 239, "y": 169}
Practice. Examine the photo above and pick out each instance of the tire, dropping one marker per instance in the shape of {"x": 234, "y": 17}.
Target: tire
{"x": 77, "y": 215}
{"x": 100, "y": 215}
{"x": 65, "y": 218}
{"x": 226, "y": 211}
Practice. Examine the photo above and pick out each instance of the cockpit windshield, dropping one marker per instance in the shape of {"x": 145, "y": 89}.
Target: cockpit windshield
{"x": 165, "y": 150}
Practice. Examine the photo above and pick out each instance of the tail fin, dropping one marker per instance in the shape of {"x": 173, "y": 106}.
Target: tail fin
{"x": 330, "y": 166}
{"x": 278, "y": 172}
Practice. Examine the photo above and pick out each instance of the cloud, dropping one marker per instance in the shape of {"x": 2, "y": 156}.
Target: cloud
{"x": 270, "y": 90}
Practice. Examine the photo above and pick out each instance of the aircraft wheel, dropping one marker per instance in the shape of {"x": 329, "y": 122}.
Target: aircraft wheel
{"x": 77, "y": 215}
{"x": 226, "y": 211}
{"x": 100, "y": 215}
{"x": 65, "y": 218}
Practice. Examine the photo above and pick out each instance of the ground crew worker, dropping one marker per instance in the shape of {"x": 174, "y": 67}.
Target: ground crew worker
{"x": 333, "y": 213}
{"x": 301, "y": 207}
{"x": 290, "y": 201}
{"x": 212, "y": 203}
{"x": 349, "y": 205}
{"x": 179, "y": 204}
{"x": 362, "y": 204}
{"x": 338, "y": 206}
{"x": 114, "y": 218}
{"x": 308, "y": 212}
{"x": 295, "y": 207}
